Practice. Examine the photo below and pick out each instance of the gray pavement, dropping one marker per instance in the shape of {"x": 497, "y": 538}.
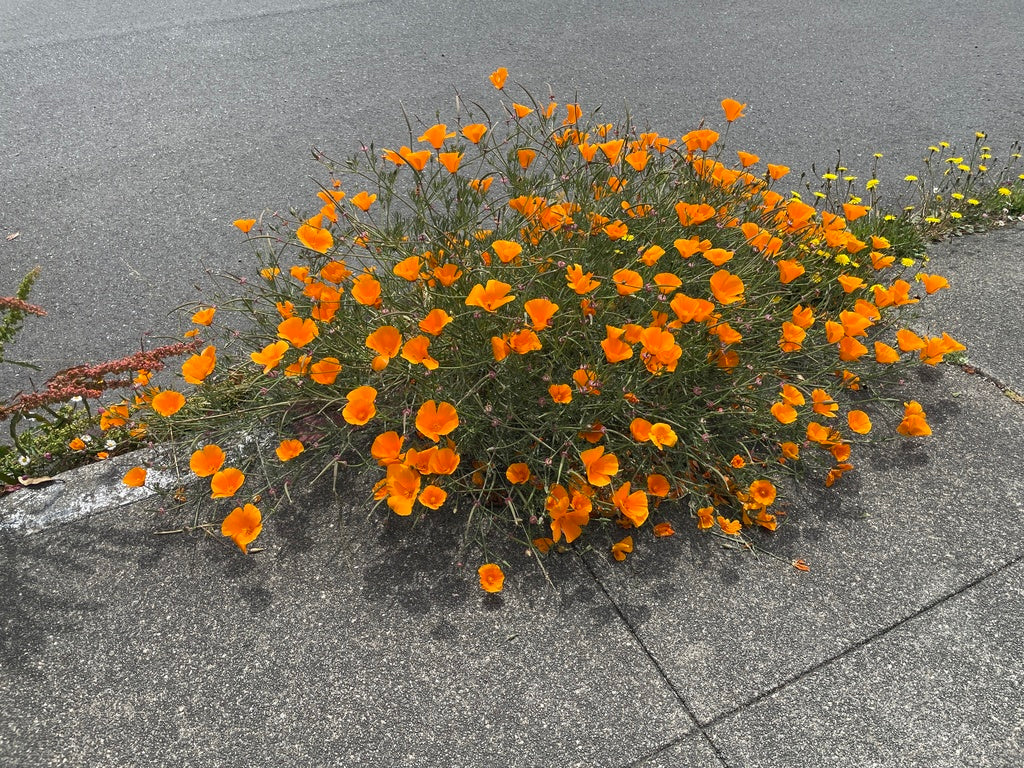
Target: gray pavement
{"x": 134, "y": 136}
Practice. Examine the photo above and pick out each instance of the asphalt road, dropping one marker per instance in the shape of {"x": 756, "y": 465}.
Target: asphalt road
{"x": 132, "y": 134}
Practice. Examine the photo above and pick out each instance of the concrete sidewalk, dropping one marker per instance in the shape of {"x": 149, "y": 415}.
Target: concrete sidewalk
{"x": 355, "y": 641}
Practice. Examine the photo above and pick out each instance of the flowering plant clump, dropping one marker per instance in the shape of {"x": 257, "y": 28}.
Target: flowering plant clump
{"x": 558, "y": 324}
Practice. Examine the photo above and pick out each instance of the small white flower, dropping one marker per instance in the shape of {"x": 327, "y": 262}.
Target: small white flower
{"x": 86, "y": 438}
{"x": 110, "y": 445}
{"x": 24, "y": 461}
{"x": 76, "y": 399}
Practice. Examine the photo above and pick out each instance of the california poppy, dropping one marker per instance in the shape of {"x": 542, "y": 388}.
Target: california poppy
{"x": 435, "y": 420}
{"x": 315, "y": 238}
{"x": 600, "y": 467}
{"x": 784, "y": 413}
{"x": 859, "y": 422}
{"x": 579, "y": 281}
{"x": 733, "y": 109}
{"x": 289, "y": 449}
{"x": 225, "y": 483}
{"x": 474, "y": 132}
{"x": 526, "y": 157}
{"x": 361, "y": 407}
{"x": 207, "y": 460}
{"x": 658, "y": 485}
{"x": 506, "y": 250}
{"x": 417, "y": 351}
{"x": 627, "y": 281}
{"x": 730, "y": 527}
{"x": 450, "y": 160}
{"x": 270, "y": 356}
{"x": 297, "y": 332}
{"x": 498, "y": 77}
{"x": 435, "y": 321}
{"x": 432, "y": 497}
{"x": 517, "y": 473}
{"x": 560, "y": 393}
{"x": 490, "y": 297}
{"x": 167, "y": 402}
{"x": 244, "y": 224}
{"x": 366, "y": 290}
{"x": 363, "y": 201}
{"x": 435, "y": 135}
{"x": 914, "y": 424}
{"x": 762, "y": 493}
{"x": 204, "y": 316}
{"x": 135, "y": 477}
{"x": 387, "y": 448}
{"x": 325, "y": 371}
{"x": 243, "y": 525}
{"x": 491, "y": 577}
{"x": 726, "y": 287}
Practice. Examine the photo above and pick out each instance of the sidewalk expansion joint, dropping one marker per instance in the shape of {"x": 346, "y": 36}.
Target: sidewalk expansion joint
{"x": 928, "y": 607}
{"x": 661, "y": 672}
{"x": 973, "y": 370}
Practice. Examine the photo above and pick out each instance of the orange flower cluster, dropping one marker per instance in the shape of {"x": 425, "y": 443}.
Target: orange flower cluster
{"x": 607, "y": 319}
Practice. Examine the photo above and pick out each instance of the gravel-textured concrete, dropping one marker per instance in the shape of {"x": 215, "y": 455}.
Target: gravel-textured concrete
{"x": 913, "y": 523}
{"x": 342, "y": 643}
{"x": 942, "y": 690}
{"x": 983, "y": 306}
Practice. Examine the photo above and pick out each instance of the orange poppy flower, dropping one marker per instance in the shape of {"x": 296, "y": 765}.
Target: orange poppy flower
{"x": 733, "y": 109}
{"x": 444, "y": 461}
{"x": 667, "y": 282}
{"x": 506, "y": 250}
{"x": 474, "y": 132}
{"x": 622, "y": 548}
{"x": 361, "y": 407}
{"x": 402, "y": 485}
{"x": 913, "y": 424}
{"x": 784, "y": 413}
{"x": 134, "y": 477}
{"x": 859, "y": 422}
{"x": 792, "y": 337}
{"x": 387, "y": 448}
{"x": 525, "y": 157}
{"x": 435, "y": 135}
{"x": 730, "y": 527}
{"x": 627, "y": 281}
{"x": 521, "y": 110}
{"x": 363, "y": 201}
{"x": 777, "y": 171}
{"x": 225, "y": 483}
{"x": 640, "y": 429}
{"x": 198, "y": 367}
{"x": 450, "y": 160}
{"x": 560, "y": 393}
{"x": 658, "y": 485}
{"x": 315, "y": 238}
{"x": 762, "y": 493}
{"x": 447, "y": 274}
{"x": 747, "y": 159}
{"x": 114, "y": 416}
{"x": 243, "y": 525}
{"x": 517, "y": 473}
{"x": 690, "y": 214}
{"x": 663, "y": 436}
{"x": 885, "y": 354}
{"x": 416, "y": 160}
{"x": 688, "y": 309}
{"x": 366, "y": 290}
{"x": 500, "y": 348}
{"x": 579, "y": 282}
{"x": 325, "y": 371}
{"x": 790, "y": 450}
{"x": 612, "y": 150}
{"x": 435, "y": 420}
{"x": 851, "y": 349}
{"x": 408, "y": 268}
{"x": 270, "y": 356}
{"x": 435, "y": 321}
{"x": 417, "y": 351}
{"x": 490, "y": 297}
{"x": 615, "y": 349}
{"x": 244, "y": 224}
{"x": 789, "y": 270}
{"x": 738, "y": 462}
{"x": 726, "y": 287}
{"x": 933, "y": 283}
{"x": 700, "y": 139}
{"x": 589, "y": 151}
{"x": 573, "y": 113}
{"x": 524, "y": 341}
{"x": 432, "y": 497}
{"x": 207, "y": 460}
{"x": 498, "y": 77}
{"x": 651, "y": 255}
{"x": 705, "y": 518}
{"x": 289, "y": 449}
{"x": 718, "y": 256}
{"x": 297, "y": 332}
{"x": 386, "y": 341}
{"x": 167, "y": 402}
{"x": 638, "y": 160}
{"x": 568, "y": 516}
{"x": 850, "y": 283}
{"x": 204, "y": 316}
{"x": 823, "y": 403}
{"x": 600, "y": 467}
{"x": 491, "y": 577}
{"x": 540, "y": 312}
{"x": 616, "y": 230}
